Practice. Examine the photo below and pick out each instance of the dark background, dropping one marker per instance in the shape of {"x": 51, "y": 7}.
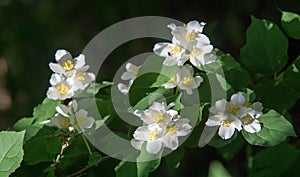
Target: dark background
{"x": 32, "y": 30}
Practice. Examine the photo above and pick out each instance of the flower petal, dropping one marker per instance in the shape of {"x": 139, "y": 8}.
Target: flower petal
{"x": 226, "y": 132}
{"x": 153, "y": 147}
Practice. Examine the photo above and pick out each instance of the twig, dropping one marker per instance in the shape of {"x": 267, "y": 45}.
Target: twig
{"x": 87, "y": 144}
{"x": 79, "y": 172}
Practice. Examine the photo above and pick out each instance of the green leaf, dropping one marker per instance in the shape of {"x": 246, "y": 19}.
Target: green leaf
{"x": 224, "y": 61}
{"x": 94, "y": 88}
{"x": 154, "y": 64}
{"x": 126, "y": 169}
{"x": 274, "y": 161}
{"x": 95, "y": 158}
{"x": 45, "y": 110}
{"x": 26, "y": 124}
{"x": 174, "y": 158}
{"x": 275, "y": 130}
{"x": 265, "y": 51}
{"x": 227, "y": 61}
{"x": 11, "y": 152}
{"x": 43, "y": 147}
{"x": 147, "y": 163}
{"x": 223, "y": 82}
{"x": 22, "y": 124}
{"x": 145, "y": 102}
{"x": 218, "y": 142}
{"x": 285, "y": 96}
{"x": 292, "y": 76}
{"x": 216, "y": 169}
{"x": 291, "y": 24}
{"x": 237, "y": 79}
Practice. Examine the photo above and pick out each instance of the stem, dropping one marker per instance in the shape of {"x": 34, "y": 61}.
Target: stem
{"x": 80, "y": 171}
{"x": 176, "y": 91}
{"x": 77, "y": 173}
{"x": 87, "y": 144}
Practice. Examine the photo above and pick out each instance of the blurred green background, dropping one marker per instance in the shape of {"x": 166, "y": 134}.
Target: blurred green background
{"x": 32, "y": 30}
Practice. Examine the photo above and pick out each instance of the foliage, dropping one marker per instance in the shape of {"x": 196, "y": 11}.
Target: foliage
{"x": 58, "y": 150}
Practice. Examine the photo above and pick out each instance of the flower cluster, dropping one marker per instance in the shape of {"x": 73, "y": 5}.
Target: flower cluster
{"x": 130, "y": 74}
{"x": 70, "y": 75}
{"x": 238, "y": 113}
{"x": 188, "y": 44}
{"x": 162, "y": 127}
{"x": 71, "y": 117}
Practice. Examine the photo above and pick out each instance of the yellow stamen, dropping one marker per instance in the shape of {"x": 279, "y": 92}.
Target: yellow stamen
{"x": 247, "y": 104}
{"x": 190, "y": 36}
{"x": 62, "y": 88}
{"x": 225, "y": 123}
{"x": 80, "y": 76}
{"x": 175, "y": 50}
{"x": 232, "y": 108}
{"x": 68, "y": 65}
{"x": 172, "y": 130}
{"x": 195, "y": 53}
{"x": 80, "y": 121}
{"x": 135, "y": 70}
{"x": 152, "y": 135}
{"x": 158, "y": 117}
{"x": 65, "y": 122}
{"x": 187, "y": 80}
{"x": 247, "y": 119}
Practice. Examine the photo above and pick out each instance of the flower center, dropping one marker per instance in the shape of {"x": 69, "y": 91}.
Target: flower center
{"x": 190, "y": 36}
{"x": 152, "y": 135}
{"x": 247, "y": 104}
{"x": 172, "y": 130}
{"x": 195, "y": 53}
{"x": 175, "y": 50}
{"x": 247, "y": 119}
{"x": 62, "y": 88}
{"x": 232, "y": 108}
{"x": 80, "y": 76}
{"x": 65, "y": 122}
{"x": 80, "y": 121}
{"x": 172, "y": 80}
{"x": 68, "y": 65}
{"x": 225, "y": 123}
{"x": 158, "y": 117}
{"x": 187, "y": 80}
{"x": 135, "y": 70}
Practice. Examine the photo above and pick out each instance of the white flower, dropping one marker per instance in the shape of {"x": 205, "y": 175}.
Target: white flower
{"x": 152, "y": 134}
{"x": 178, "y": 127}
{"x": 60, "y": 89}
{"x": 250, "y": 123}
{"x": 158, "y": 113}
{"x": 81, "y": 79}
{"x": 238, "y": 111}
{"x": 70, "y": 116}
{"x": 125, "y": 88}
{"x": 227, "y": 125}
{"x": 61, "y": 121}
{"x": 173, "y": 53}
{"x": 162, "y": 127}
{"x": 131, "y": 72}
{"x": 188, "y": 43}
{"x": 184, "y": 79}
{"x": 65, "y": 63}
{"x": 188, "y": 34}
{"x": 80, "y": 120}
